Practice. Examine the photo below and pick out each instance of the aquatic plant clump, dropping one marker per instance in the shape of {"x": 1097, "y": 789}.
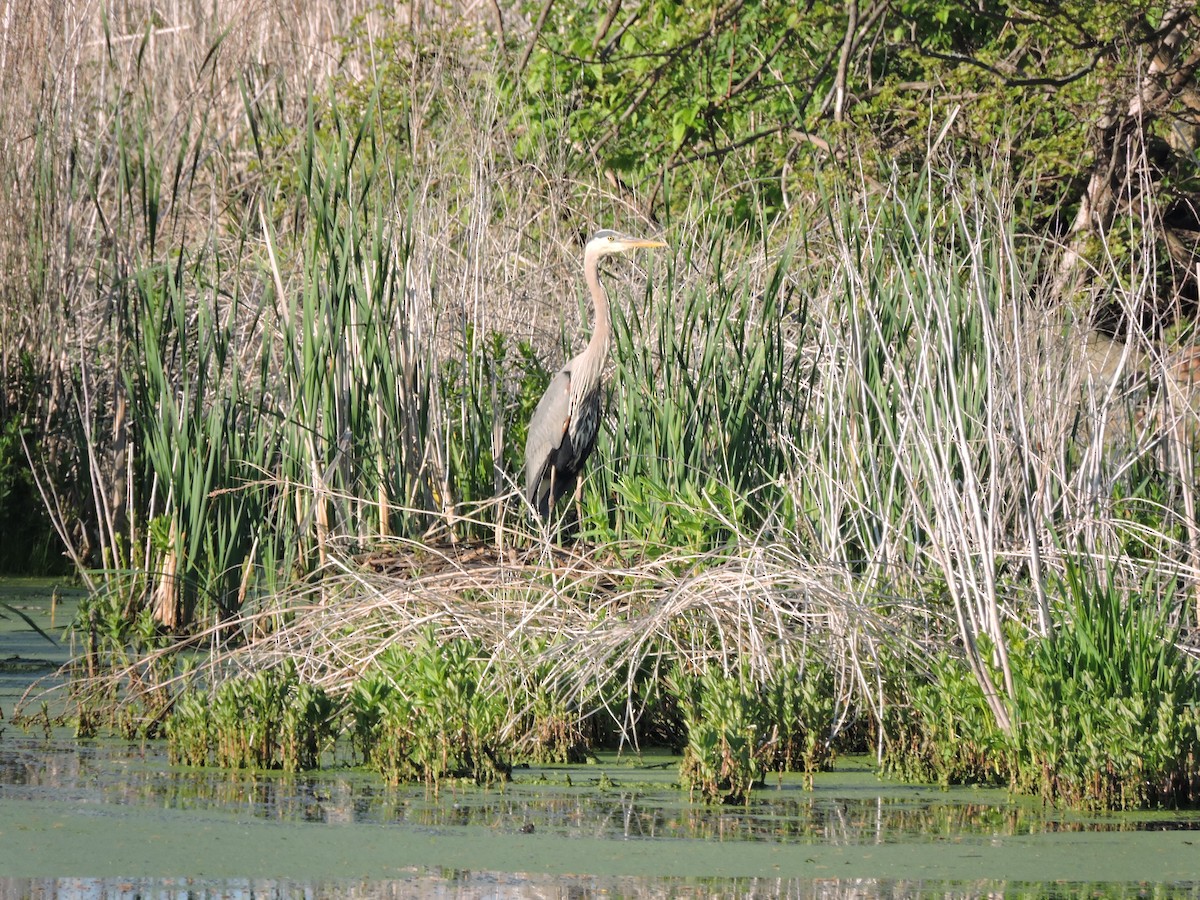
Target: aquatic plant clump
{"x": 725, "y": 755}
{"x": 427, "y": 714}
{"x": 739, "y": 729}
{"x": 268, "y": 720}
{"x": 1107, "y": 710}
{"x": 1109, "y": 704}
{"x": 419, "y": 714}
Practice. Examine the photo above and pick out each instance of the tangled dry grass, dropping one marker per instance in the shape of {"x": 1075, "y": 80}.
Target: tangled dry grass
{"x": 578, "y": 622}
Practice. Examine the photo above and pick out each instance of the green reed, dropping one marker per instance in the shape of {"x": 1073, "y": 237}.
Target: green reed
{"x": 312, "y": 405}
{"x": 705, "y": 399}
{"x": 1105, "y": 706}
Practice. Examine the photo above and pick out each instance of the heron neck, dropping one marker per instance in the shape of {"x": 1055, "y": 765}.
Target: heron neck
{"x": 597, "y": 348}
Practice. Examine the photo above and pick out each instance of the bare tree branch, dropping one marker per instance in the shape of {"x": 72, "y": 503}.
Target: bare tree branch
{"x": 613, "y": 8}
{"x": 533, "y": 38}
{"x": 839, "y": 86}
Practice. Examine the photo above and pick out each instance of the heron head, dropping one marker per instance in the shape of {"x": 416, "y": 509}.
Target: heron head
{"x": 606, "y": 241}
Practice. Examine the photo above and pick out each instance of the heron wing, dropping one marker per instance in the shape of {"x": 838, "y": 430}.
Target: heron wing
{"x": 547, "y": 427}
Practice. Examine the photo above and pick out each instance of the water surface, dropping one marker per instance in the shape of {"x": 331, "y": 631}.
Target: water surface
{"x": 114, "y": 819}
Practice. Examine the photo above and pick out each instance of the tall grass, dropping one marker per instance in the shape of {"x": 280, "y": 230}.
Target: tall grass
{"x": 706, "y": 396}
{"x": 118, "y": 166}
{"x": 241, "y": 370}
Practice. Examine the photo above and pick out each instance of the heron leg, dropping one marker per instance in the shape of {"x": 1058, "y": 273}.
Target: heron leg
{"x": 546, "y": 504}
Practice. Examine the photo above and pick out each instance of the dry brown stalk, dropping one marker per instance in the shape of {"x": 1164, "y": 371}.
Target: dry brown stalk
{"x": 588, "y": 615}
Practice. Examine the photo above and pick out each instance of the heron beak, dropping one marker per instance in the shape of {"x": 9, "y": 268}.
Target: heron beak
{"x": 641, "y": 242}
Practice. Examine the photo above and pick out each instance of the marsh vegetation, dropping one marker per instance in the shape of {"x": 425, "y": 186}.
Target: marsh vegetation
{"x": 900, "y": 445}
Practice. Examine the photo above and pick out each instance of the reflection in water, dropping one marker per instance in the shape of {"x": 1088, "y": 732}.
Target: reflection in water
{"x": 866, "y": 812}
{"x": 463, "y": 885}
{"x": 579, "y": 802}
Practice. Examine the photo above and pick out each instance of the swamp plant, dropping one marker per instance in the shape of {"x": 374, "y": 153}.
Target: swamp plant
{"x": 431, "y": 713}
{"x": 1107, "y": 709}
{"x": 267, "y": 720}
{"x": 1109, "y": 704}
{"x": 738, "y": 728}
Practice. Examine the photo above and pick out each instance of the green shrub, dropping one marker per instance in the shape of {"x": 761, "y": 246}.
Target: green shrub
{"x": 552, "y": 728}
{"x": 268, "y": 720}
{"x": 428, "y": 714}
{"x": 1105, "y": 711}
{"x": 738, "y": 729}
{"x": 944, "y": 732}
{"x": 800, "y": 702}
{"x": 189, "y": 730}
{"x": 1108, "y": 703}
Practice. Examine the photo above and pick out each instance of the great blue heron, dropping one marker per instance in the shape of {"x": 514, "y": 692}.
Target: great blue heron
{"x": 562, "y": 431}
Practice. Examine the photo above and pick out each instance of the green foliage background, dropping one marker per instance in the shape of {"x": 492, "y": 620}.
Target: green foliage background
{"x": 739, "y": 102}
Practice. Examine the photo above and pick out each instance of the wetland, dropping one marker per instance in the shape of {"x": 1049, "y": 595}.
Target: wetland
{"x": 883, "y": 576}
{"x": 115, "y": 818}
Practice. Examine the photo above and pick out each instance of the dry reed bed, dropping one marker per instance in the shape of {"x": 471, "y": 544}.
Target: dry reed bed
{"x": 568, "y": 620}
{"x": 596, "y": 615}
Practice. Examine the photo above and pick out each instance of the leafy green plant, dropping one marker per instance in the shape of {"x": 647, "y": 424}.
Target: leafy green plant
{"x": 727, "y": 743}
{"x": 550, "y": 730}
{"x": 739, "y": 728}
{"x": 268, "y": 720}
{"x": 189, "y": 730}
{"x": 943, "y": 731}
{"x": 367, "y": 704}
{"x": 800, "y": 705}
{"x": 425, "y": 714}
{"x": 1109, "y": 703}
{"x": 1106, "y": 707}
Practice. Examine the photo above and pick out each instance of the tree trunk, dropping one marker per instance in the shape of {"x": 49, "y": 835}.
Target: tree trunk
{"x": 1121, "y": 139}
